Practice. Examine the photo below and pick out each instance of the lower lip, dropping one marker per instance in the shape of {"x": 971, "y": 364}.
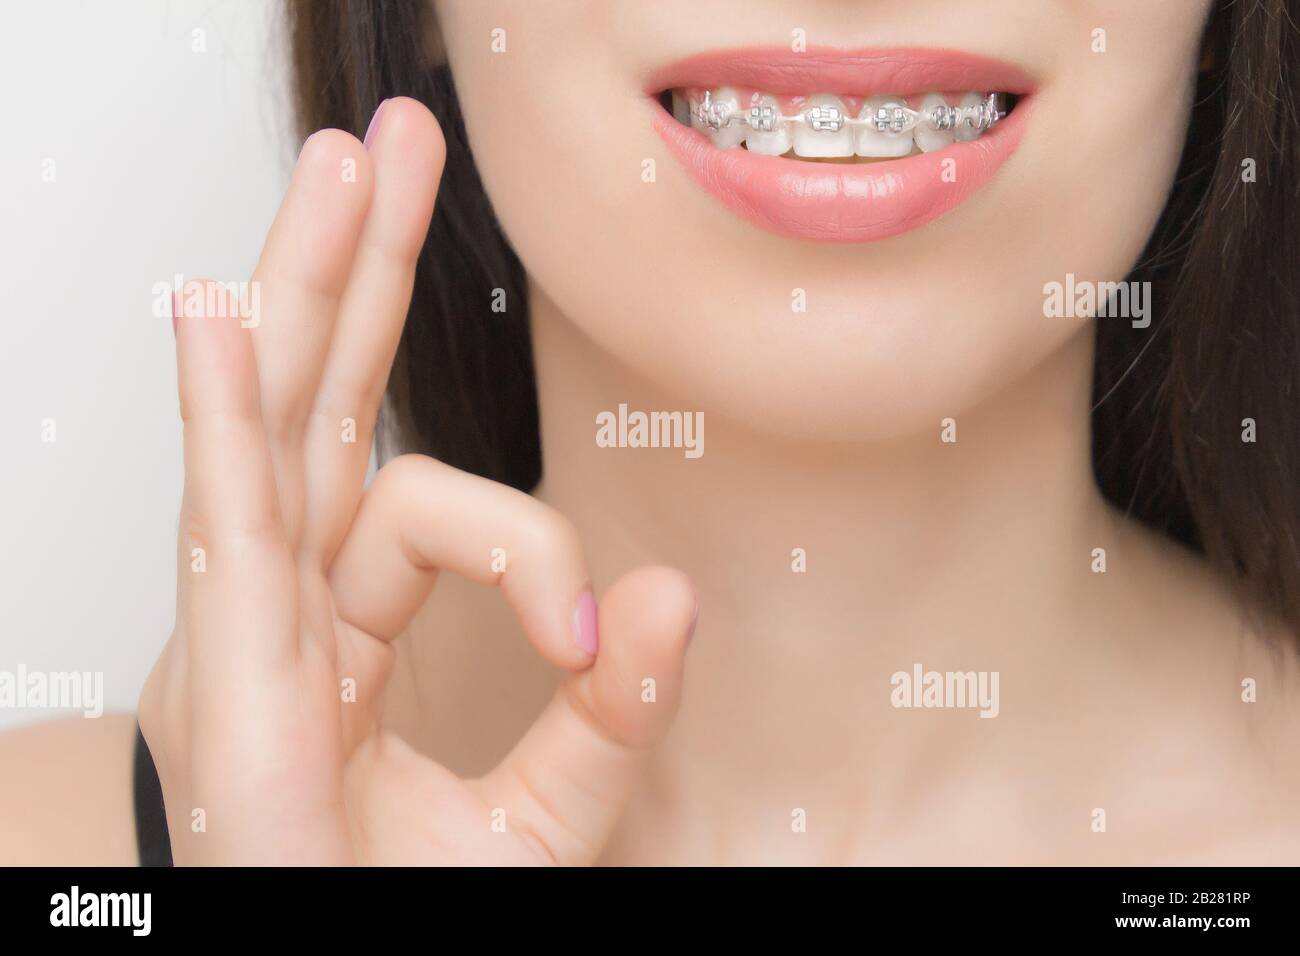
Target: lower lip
{"x": 824, "y": 202}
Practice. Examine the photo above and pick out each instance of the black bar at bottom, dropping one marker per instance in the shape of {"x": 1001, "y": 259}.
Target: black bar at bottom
{"x": 218, "y": 905}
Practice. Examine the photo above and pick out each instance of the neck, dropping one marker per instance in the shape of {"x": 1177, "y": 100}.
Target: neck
{"x": 957, "y": 556}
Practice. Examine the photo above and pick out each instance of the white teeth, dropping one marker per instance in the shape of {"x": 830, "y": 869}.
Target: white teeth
{"x": 697, "y": 121}
{"x": 773, "y": 143}
{"x": 823, "y": 134}
{"x": 889, "y": 144}
{"x": 929, "y": 139}
{"x": 681, "y": 108}
{"x": 728, "y": 100}
{"x": 886, "y": 127}
{"x": 966, "y": 132}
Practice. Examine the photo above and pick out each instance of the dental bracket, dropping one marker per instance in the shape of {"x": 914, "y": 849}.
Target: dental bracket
{"x": 890, "y": 118}
{"x": 763, "y": 118}
{"x": 894, "y": 119}
{"x": 825, "y": 119}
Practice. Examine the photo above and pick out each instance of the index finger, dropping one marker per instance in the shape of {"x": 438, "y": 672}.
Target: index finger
{"x": 420, "y": 516}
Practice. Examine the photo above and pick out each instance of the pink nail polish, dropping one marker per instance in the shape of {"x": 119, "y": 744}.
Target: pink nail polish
{"x": 176, "y": 310}
{"x": 374, "y": 123}
{"x": 695, "y": 619}
{"x": 585, "y": 631}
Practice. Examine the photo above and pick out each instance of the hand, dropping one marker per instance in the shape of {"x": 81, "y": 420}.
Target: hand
{"x": 293, "y": 581}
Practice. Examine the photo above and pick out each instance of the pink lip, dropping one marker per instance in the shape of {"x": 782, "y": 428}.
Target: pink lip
{"x": 833, "y": 202}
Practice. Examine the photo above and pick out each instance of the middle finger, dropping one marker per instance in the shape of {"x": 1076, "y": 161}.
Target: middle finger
{"x": 299, "y": 279}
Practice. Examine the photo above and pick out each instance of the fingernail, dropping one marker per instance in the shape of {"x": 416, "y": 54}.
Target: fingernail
{"x": 374, "y": 123}
{"x": 695, "y": 619}
{"x": 176, "y": 309}
{"x": 585, "y": 632}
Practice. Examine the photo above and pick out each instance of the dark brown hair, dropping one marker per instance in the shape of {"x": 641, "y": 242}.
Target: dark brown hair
{"x": 1170, "y": 400}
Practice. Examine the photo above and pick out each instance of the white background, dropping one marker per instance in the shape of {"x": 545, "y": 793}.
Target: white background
{"x": 167, "y": 160}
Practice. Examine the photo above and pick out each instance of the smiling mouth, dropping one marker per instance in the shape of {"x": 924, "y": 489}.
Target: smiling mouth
{"x": 866, "y": 163}
{"x": 855, "y": 129}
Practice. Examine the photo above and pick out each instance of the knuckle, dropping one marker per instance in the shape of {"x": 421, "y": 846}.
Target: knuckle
{"x": 191, "y": 535}
{"x": 283, "y": 422}
{"x": 329, "y": 414}
{"x": 547, "y": 531}
{"x": 254, "y": 530}
{"x": 404, "y": 471}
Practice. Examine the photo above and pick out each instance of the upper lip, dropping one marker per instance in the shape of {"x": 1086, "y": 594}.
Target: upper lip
{"x": 903, "y": 70}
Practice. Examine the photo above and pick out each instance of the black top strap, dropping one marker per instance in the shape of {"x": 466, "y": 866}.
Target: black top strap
{"x": 151, "y": 835}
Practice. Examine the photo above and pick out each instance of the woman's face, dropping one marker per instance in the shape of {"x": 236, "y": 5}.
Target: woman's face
{"x": 921, "y": 278}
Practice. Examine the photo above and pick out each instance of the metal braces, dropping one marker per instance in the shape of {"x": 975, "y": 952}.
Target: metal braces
{"x": 890, "y": 118}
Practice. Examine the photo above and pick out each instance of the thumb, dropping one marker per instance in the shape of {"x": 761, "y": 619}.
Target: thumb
{"x": 566, "y": 782}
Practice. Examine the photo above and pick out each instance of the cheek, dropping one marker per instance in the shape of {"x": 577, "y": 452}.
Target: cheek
{"x": 847, "y": 342}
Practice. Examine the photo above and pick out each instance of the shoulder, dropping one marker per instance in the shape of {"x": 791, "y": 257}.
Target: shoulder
{"x": 66, "y": 793}
{"x": 1212, "y": 741}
